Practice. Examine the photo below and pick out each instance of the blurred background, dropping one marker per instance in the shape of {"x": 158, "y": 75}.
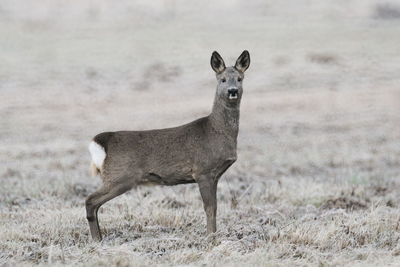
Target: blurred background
{"x": 320, "y": 71}
{"x": 320, "y": 121}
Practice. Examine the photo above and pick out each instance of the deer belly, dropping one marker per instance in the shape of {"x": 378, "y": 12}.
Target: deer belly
{"x": 171, "y": 177}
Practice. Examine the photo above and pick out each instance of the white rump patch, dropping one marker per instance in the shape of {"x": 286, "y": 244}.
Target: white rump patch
{"x": 98, "y": 154}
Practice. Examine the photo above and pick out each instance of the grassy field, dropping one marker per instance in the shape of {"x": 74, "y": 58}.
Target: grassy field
{"x": 317, "y": 181}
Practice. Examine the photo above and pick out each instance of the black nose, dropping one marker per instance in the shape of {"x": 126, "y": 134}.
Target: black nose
{"x": 232, "y": 91}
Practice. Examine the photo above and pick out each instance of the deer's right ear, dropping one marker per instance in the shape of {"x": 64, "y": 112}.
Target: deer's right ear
{"x": 217, "y": 63}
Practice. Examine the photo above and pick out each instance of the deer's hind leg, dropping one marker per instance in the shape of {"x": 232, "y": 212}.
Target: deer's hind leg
{"x": 98, "y": 198}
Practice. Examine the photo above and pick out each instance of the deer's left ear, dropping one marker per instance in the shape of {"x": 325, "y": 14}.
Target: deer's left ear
{"x": 243, "y": 62}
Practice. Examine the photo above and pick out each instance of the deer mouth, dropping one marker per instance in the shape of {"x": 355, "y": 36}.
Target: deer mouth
{"x": 233, "y": 95}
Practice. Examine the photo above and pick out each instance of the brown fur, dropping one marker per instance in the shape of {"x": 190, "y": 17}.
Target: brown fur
{"x": 197, "y": 152}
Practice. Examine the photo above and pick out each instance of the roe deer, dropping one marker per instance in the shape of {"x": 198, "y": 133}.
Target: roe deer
{"x": 197, "y": 152}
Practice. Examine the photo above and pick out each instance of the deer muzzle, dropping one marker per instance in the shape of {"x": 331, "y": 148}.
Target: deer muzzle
{"x": 233, "y": 93}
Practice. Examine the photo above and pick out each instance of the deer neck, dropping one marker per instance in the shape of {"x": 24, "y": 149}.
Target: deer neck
{"x": 224, "y": 118}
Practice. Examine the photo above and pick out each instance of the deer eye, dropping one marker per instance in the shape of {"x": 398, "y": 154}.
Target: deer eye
{"x": 239, "y": 79}
{"x": 223, "y": 80}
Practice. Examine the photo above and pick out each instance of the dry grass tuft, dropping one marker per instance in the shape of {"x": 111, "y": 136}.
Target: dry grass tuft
{"x": 344, "y": 203}
{"x": 387, "y": 11}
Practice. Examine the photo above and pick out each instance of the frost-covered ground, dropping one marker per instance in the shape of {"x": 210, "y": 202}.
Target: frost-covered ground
{"x": 317, "y": 179}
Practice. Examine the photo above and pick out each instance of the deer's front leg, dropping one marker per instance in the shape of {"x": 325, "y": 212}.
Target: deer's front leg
{"x": 208, "y": 191}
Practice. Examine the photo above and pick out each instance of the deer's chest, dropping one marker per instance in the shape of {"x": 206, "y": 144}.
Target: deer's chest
{"x": 223, "y": 148}
{"x": 220, "y": 157}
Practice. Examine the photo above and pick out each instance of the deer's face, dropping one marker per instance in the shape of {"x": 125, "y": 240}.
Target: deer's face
{"x": 230, "y": 84}
{"x": 230, "y": 79}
